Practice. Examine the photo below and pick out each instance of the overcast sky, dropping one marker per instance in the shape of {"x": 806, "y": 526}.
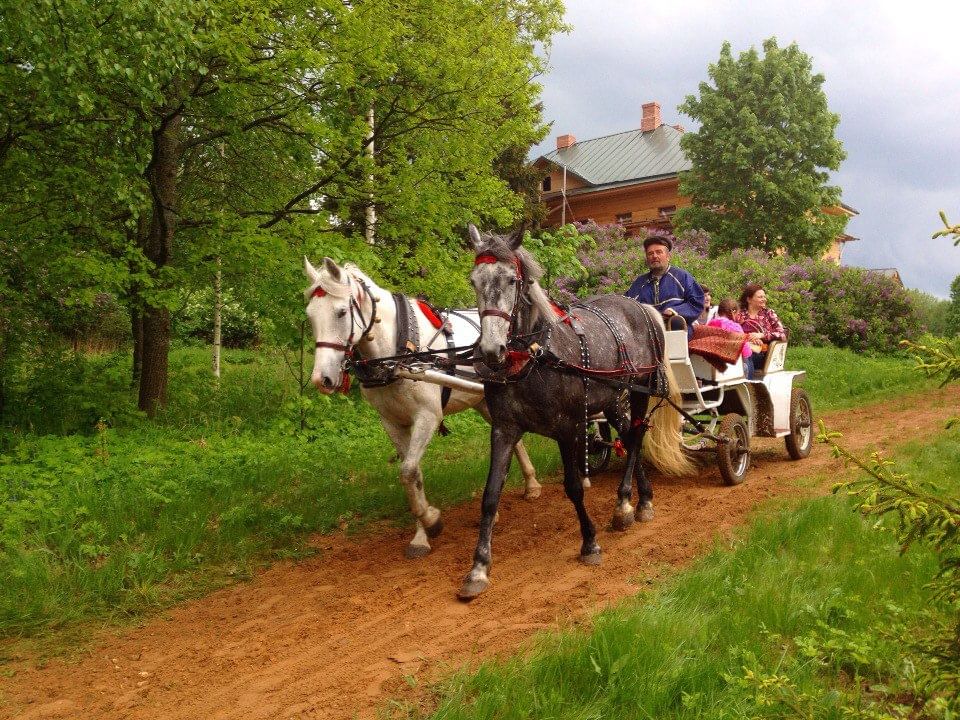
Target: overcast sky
{"x": 892, "y": 73}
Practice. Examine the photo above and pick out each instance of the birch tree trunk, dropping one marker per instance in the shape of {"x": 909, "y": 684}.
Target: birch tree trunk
{"x": 217, "y": 326}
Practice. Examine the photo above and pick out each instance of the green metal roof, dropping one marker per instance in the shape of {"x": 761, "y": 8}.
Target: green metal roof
{"x": 624, "y": 158}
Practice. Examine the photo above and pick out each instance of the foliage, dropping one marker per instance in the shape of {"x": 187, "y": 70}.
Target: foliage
{"x": 949, "y": 231}
{"x": 149, "y": 143}
{"x": 762, "y": 154}
{"x": 923, "y": 514}
{"x": 953, "y": 317}
{"x": 804, "y": 614}
{"x": 557, "y": 251}
{"x": 820, "y": 303}
{"x": 240, "y": 326}
{"x": 935, "y": 314}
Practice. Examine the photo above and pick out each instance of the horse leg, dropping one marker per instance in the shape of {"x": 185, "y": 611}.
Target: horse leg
{"x": 531, "y": 488}
{"x": 638, "y": 414}
{"x": 502, "y": 442}
{"x": 411, "y": 442}
{"x": 590, "y": 549}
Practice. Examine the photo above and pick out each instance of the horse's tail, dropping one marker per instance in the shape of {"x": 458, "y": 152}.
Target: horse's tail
{"x": 662, "y": 443}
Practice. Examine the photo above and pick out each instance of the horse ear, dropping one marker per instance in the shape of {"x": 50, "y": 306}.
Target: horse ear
{"x": 475, "y": 237}
{"x": 333, "y": 270}
{"x": 517, "y": 237}
{"x": 310, "y": 271}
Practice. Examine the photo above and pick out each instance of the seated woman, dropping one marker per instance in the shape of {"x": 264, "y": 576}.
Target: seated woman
{"x": 759, "y": 322}
{"x": 709, "y": 311}
{"x": 724, "y": 320}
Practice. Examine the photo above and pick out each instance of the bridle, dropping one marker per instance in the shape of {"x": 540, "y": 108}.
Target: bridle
{"x": 356, "y": 311}
{"x": 488, "y": 259}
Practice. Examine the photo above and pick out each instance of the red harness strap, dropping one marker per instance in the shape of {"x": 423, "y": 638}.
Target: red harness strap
{"x": 429, "y": 313}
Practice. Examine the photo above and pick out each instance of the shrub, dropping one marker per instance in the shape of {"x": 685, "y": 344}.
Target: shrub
{"x": 239, "y": 326}
{"x": 820, "y": 303}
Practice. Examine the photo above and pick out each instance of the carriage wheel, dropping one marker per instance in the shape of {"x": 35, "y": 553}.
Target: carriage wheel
{"x": 598, "y": 454}
{"x": 733, "y": 456}
{"x": 800, "y": 439}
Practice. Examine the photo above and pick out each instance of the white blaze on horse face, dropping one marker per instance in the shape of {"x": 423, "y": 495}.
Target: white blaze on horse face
{"x": 496, "y": 287}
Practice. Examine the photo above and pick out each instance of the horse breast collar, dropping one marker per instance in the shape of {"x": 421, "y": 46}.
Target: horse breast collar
{"x": 408, "y": 333}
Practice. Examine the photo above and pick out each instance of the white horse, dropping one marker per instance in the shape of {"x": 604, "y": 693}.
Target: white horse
{"x": 351, "y": 315}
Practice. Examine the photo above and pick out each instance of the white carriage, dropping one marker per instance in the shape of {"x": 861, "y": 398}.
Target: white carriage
{"x": 731, "y": 409}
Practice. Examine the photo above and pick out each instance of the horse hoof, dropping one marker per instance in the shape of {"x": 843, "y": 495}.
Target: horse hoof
{"x": 586, "y": 482}
{"x": 532, "y": 493}
{"x": 645, "y": 513}
{"x": 413, "y": 552}
{"x": 471, "y": 588}
{"x": 434, "y": 529}
{"x": 622, "y": 521}
{"x": 591, "y": 559}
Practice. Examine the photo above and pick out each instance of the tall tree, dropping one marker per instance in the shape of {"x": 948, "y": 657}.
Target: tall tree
{"x": 178, "y": 133}
{"x": 762, "y": 154}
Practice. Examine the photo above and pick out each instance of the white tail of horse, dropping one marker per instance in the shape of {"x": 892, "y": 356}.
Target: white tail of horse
{"x": 662, "y": 443}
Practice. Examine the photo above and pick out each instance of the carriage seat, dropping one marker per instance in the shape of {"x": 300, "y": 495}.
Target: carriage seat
{"x": 776, "y": 357}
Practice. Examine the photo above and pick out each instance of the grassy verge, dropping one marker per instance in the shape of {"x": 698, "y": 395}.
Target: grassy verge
{"x": 114, "y": 522}
{"x": 809, "y": 614}
{"x": 838, "y": 379}
{"x": 131, "y": 518}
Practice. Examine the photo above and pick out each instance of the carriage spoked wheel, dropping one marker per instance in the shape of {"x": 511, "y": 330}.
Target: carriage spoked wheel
{"x": 733, "y": 456}
{"x": 800, "y": 439}
{"x": 601, "y": 443}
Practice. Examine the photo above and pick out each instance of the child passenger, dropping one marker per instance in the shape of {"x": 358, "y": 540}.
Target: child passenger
{"x": 724, "y": 321}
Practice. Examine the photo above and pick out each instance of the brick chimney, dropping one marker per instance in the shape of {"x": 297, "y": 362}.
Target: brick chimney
{"x": 565, "y": 141}
{"x": 651, "y": 117}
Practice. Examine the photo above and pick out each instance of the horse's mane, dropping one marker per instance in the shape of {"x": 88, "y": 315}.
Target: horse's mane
{"x": 336, "y": 288}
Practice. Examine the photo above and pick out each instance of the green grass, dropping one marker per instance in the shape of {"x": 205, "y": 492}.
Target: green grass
{"x": 128, "y": 519}
{"x": 838, "y": 379}
{"x": 121, "y": 521}
{"x": 809, "y": 614}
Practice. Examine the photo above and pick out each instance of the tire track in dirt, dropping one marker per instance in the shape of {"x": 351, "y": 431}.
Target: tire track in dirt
{"x": 335, "y": 635}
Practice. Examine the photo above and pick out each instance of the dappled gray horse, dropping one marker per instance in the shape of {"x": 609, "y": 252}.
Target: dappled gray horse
{"x": 545, "y": 375}
{"x": 352, "y": 316}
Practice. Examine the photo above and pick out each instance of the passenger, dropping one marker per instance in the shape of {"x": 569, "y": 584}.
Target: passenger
{"x": 670, "y": 290}
{"x": 724, "y": 320}
{"x": 709, "y": 309}
{"x": 759, "y": 322}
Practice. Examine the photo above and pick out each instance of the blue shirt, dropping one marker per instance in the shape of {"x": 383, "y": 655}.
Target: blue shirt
{"x": 675, "y": 289}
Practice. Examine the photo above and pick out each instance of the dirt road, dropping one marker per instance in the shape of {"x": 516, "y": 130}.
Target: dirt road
{"x": 335, "y": 636}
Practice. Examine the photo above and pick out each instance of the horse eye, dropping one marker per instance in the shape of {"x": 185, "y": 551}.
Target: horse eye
{"x": 513, "y": 281}
{"x": 342, "y": 313}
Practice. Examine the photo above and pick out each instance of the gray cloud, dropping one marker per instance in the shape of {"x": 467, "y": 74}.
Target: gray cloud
{"x": 891, "y": 73}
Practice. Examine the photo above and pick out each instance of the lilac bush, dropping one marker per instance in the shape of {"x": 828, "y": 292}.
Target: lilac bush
{"x": 820, "y": 303}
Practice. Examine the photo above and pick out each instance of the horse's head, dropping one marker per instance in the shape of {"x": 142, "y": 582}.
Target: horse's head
{"x": 503, "y": 277}
{"x": 334, "y": 300}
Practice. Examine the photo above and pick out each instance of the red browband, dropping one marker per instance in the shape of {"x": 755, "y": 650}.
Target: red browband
{"x": 319, "y": 292}
{"x": 485, "y": 260}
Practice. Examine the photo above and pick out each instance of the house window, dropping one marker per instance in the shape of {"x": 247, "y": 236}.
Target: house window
{"x": 624, "y": 217}
{"x": 546, "y": 184}
{"x": 667, "y": 211}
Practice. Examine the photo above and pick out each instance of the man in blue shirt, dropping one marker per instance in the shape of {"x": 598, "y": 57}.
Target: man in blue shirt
{"x": 670, "y": 290}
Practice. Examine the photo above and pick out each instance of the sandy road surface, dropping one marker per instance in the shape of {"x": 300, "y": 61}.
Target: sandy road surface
{"x": 334, "y": 636}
